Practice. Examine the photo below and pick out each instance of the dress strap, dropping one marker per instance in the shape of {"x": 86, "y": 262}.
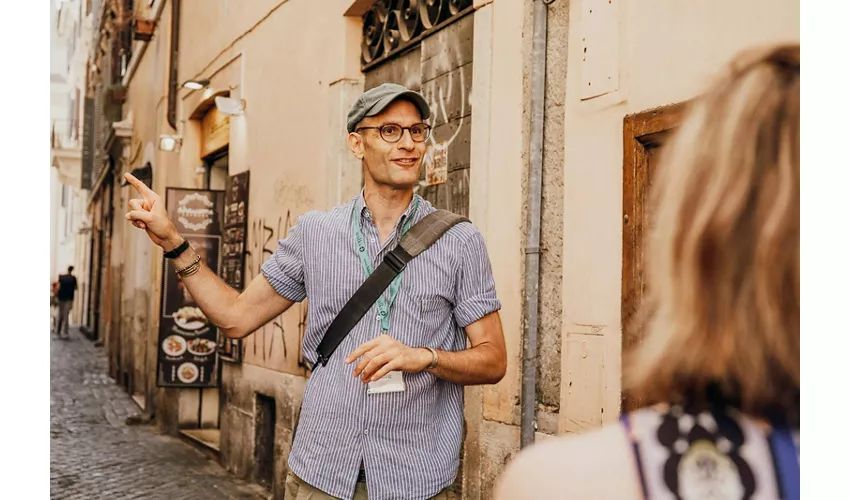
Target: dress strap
{"x": 786, "y": 463}
{"x": 626, "y": 422}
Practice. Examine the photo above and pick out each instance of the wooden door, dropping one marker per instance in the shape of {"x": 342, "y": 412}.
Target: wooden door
{"x": 644, "y": 137}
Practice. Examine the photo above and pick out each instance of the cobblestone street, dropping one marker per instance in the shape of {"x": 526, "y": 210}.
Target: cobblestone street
{"x": 95, "y": 455}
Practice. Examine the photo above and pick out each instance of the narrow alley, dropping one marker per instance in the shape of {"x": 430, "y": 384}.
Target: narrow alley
{"x": 95, "y": 455}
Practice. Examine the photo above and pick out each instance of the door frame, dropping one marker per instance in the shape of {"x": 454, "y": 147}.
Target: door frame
{"x": 641, "y": 132}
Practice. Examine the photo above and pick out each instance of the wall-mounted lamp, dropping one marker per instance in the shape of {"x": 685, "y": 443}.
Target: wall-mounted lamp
{"x": 196, "y": 84}
{"x": 170, "y": 142}
{"x": 230, "y": 106}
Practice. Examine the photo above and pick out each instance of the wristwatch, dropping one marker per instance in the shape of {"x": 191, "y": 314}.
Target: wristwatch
{"x": 174, "y": 253}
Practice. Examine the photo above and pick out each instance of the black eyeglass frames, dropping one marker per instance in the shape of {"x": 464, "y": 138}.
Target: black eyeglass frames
{"x": 392, "y": 132}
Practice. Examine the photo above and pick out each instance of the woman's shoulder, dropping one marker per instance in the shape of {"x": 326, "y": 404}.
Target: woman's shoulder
{"x": 595, "y": 464}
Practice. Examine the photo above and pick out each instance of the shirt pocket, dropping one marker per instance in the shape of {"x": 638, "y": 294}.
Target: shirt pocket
{"x": 434, "y": 313}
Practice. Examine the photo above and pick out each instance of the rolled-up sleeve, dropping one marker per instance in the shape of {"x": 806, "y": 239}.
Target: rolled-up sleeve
{"x": 475, "y": 295}
{"x": 284, "y": 270}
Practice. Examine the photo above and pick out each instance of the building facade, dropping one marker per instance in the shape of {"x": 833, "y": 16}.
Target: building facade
{"x": 68, "y": 192}
{"x": 273, "y": 81}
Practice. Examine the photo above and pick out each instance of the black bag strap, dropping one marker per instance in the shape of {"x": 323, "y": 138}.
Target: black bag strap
{"x": 418, "y": 238}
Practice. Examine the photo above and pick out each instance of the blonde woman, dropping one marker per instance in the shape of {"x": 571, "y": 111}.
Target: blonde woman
{"x": 721, "y": 359}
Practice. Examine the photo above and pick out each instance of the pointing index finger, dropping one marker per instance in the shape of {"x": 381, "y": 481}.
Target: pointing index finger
{"x": 139, "y": 185}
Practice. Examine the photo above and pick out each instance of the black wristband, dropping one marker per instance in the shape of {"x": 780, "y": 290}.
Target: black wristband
{"x": 173, "y": 254}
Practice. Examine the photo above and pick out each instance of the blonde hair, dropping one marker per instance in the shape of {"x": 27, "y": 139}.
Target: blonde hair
{"x": 723, "y": 311}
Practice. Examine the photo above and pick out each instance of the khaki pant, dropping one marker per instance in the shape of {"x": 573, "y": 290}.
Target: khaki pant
{"x": 62, "y": 316}
{"x": 297, "y": 489}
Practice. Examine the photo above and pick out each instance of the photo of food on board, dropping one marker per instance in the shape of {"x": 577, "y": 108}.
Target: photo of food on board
{"x": 174, "y": 345}
{"x": 190, "y": 318}
{"x": 187, "y": 373}
{"x": 201, "y": 346}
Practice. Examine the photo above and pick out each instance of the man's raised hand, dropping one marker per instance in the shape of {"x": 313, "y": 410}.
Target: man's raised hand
{"x": 149, "y": 214}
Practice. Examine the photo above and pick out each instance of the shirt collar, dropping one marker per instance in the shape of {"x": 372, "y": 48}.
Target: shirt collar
{"x": 363, "y": 210}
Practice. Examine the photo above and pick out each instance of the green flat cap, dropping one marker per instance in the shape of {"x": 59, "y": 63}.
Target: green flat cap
{"x": 373, "y": 101}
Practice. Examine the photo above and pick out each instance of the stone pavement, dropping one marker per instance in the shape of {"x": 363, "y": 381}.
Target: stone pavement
{"x": 95, "y": 455}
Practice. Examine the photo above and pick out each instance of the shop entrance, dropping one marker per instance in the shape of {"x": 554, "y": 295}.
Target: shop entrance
{"x": 208, "y": 429}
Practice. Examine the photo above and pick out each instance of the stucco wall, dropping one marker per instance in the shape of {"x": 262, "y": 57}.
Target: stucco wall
{"x": 146, "y": 107}
{"x": 552, "y": 206}
{"x": 291, "y": 138}
{"x": 495, "y": 205}
{"x": 296, "y": 65}
{"x": 289, "y": 134}
{"x": 659, "y": 52}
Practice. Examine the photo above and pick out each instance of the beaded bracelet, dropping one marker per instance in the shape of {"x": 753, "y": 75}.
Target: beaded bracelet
{"x": 192, "y": 270}
{"x": 196, "y": 265}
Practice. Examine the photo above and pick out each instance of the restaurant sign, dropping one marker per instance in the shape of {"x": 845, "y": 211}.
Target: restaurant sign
{"x": 188, "y": 341}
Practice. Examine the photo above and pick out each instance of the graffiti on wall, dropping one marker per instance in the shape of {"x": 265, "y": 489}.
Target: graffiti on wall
{"x": 277, "y": 344}
{"x": 448, "y": 91}
{"x": 446, "y": 74}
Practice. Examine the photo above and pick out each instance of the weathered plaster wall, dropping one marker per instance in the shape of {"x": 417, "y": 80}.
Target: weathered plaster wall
{"x": 551, "y": 231}
{"x": 655, "y": 52}
{"x": 292, "y": 140}
{"x": 496, "y": 200}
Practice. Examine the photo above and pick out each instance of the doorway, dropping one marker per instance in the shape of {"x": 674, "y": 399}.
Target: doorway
{"x": 210, "y": 399}
{"x": 216, "y": 170}
{"x": 264, "y": 439}
{"x": 644, "y": 138}
{"x": 215, "y": 177}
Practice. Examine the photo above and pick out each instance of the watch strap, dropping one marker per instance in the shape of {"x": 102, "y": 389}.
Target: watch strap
{"x": 174, "y": 253}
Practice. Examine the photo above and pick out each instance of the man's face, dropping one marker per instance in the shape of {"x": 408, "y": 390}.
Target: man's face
{"x": 392, "y": 164}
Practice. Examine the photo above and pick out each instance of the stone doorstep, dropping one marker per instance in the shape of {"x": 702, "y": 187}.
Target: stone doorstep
{"x": 206, "y": 440}
{"x": 139, "y": 398}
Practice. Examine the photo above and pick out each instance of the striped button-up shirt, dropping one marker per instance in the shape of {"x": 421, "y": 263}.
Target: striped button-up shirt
{"x": 408, "y": 442}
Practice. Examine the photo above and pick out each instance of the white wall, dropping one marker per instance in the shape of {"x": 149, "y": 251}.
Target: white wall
{"x": 657, "y": 52}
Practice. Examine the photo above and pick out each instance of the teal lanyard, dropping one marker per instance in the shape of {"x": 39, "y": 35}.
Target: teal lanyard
{"x": 384, "y": 303}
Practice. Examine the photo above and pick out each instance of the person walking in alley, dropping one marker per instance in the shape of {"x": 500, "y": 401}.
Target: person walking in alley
{"x": 383, "y": 418}
{"x": 65, "y": 289}
{"x": 721, "y": 360}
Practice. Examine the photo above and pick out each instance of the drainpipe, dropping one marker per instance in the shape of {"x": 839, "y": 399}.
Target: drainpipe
{"x": 532, "y": 245}
{"x": 171, "y": 113}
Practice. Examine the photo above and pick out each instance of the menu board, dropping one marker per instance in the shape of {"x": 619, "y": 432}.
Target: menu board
{"x": 187, "y": 343}
{"x": 233, "y": 251}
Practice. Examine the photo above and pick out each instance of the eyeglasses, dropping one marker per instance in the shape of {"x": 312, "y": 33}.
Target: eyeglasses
{"x": 392, "y": 132}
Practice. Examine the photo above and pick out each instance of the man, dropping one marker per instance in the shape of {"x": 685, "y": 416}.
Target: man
{"x": 402, "y": 438}
{"x": 67, "y": 286}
